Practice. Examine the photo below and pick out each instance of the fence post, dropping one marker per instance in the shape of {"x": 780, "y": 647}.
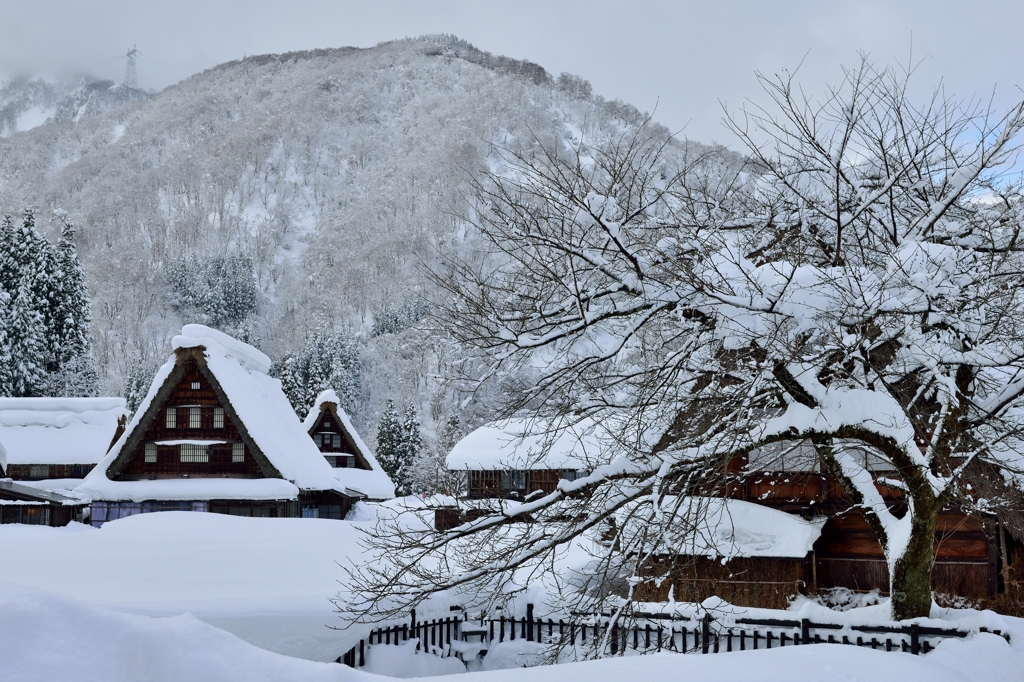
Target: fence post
{"x": 805, "y": 631}
{"x": 362, "y": 653}
{"x": 915, "y": 639}
{"x": 529, "y": 622}
{"x": 705, "y": 632}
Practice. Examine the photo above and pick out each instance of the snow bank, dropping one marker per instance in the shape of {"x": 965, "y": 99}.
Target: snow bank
{"x": 404, "y": 661}
{"x": 49, "y": 638}
{"x": 524, "y": 444}
{"x": 983, "y": 659}
{"x": 270, "y": 581}
{"x": 58, "y": 430}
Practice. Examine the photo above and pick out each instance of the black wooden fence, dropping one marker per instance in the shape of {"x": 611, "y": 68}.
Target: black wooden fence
{"x": 648, "y": 632}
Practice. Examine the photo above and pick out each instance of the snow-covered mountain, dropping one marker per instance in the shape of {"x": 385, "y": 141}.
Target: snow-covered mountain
{"x": 29, "y": 103}
{"x": 335, "y": 171}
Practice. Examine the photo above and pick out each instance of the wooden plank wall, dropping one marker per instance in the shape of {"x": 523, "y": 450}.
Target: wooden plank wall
{"x": 169, "y": 464}
{"x": 966, "y": 560}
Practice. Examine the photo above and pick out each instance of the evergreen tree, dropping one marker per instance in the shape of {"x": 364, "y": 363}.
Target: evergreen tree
{"x": 450, "y": 434}
{"x": 412, "y": 440}
{"x": 220, "y": 290}
{"x": 47, "y": 316}
{"x": 72, "y": 368}
{"x": 26, "y": 333}
{"x": 6, "y": 355}
{"x": 327, "y": 360}
{"x": 8, "y": 266}
{"x": 69, "y": 335}
{"x": 392, "y": 449}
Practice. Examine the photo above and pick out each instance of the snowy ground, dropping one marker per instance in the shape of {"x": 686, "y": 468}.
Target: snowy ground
{"x": 139, "y": 598}
{"x": 269, "y": 581}
{"x": 46, "y": 637}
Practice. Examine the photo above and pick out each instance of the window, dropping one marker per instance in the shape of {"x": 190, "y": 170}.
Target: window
{"x": 571, "y": 474}
{"x": 194, "y": 454}
{"x": 513, "y": 480}
{"x": 218, "y": 417}
{"x": 318, "y": 439}
{"x": 150, "y": 453}
{"x": 195, "y": 385}
{"x": 336, "y": 441}
{"x": 195, "y": 415}
{"x": 172, "y": 418}
{"x": 237, "y": 452}
{"x": 39, "y": 471}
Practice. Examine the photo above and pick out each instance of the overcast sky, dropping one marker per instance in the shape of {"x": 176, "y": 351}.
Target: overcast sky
{"x": 682, "y": 57}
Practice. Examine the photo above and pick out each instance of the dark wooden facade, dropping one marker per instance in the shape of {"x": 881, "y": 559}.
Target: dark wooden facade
{"x": 847, "y": 554}
{"x": 513, "y": 483}
{"x": 39, "y": 472}
{"x": 966, "y": 556}
{"x": 332, "y": 439}
{"x": 191, "y": 411}
{"x": 22, "y": 504}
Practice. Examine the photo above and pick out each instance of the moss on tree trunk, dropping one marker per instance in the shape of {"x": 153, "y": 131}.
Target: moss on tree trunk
{"x": 911, "y": 576}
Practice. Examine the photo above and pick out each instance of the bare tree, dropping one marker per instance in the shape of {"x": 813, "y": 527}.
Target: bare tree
{"x": 854, "y": 289}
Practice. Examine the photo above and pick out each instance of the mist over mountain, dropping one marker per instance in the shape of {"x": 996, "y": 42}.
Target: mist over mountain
{"x": 27, "y": 103}
{"x": 333, "y": 176}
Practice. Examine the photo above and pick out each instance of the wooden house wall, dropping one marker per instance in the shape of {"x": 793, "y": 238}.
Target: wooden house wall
{"x": 966, "y": 556}
{"x": 487, "y": 483}
{"x": 38, "y": 472}
{"x": 23, "y": 508}
{"x": 169, "y": 465}
{"x": 761, "y": 582}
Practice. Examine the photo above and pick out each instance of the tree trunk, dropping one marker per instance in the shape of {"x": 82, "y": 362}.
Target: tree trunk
{"x": 911, "y": 576}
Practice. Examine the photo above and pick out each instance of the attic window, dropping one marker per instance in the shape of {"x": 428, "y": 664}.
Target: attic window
{"x": 172, "y": 418}
{"x": 150, "y": 453}
{"x": 218, "y": 417}
{"x": 192, "y": 453}
{"x": 195, "y": 417}
{"x": 195, "y": 385}
{"x": 237, "y": 452}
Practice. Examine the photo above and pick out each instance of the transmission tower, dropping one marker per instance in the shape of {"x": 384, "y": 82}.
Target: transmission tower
{"x": 131, "y": 78}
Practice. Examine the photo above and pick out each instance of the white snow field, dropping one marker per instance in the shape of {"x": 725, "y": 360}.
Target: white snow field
{"x": 45, "y": 637}
{"x": 138, "y": 599}
{"x": 269, "y": 581}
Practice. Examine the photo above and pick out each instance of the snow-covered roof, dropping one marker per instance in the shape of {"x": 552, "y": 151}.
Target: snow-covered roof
{"x": 58, "y": 430}
{"x": 373, "y": 483}
{"x": 29, "y": 495}
{"x": 715, "y": 527}
{"x": 264, "y": 413}
{"x": 530, "y": 444}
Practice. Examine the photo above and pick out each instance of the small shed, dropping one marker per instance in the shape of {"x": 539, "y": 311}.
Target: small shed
{"x": 55, "y": 442}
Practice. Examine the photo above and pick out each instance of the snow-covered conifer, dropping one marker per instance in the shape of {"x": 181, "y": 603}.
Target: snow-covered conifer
{"x": 393, "y": 449}
{"x": 27, "y": 343}
{"x": 328, "y": 359}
